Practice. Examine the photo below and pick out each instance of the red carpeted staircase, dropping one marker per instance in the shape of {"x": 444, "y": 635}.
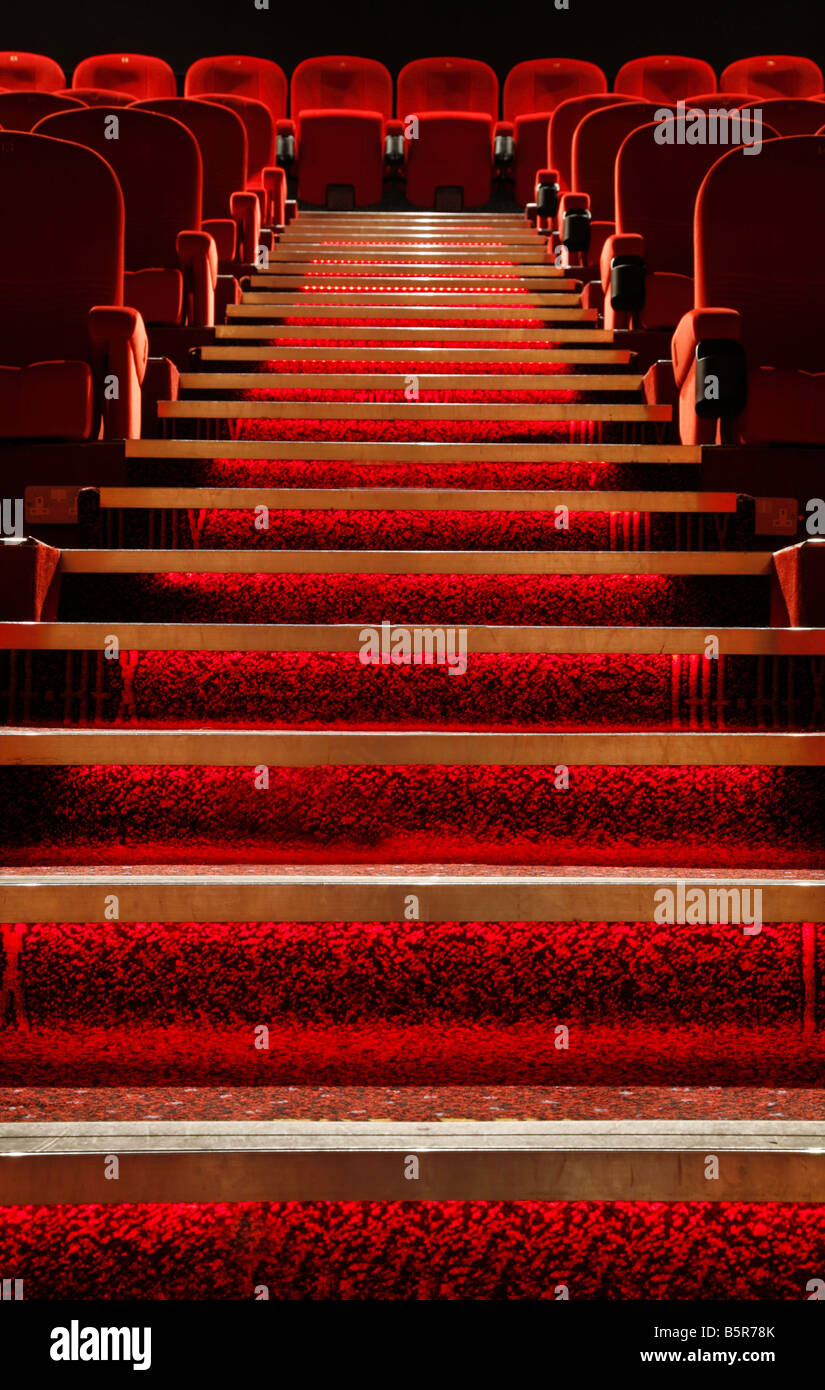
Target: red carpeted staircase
{"x": 360, "y": 962}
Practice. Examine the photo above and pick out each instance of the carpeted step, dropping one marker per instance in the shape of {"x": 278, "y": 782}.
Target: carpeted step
{"x": 431, "y": 530}
{"x": 515, "y": 690}
{"x": 720, "y": 600}
{"x": 745, "y": 817}
{"x": 417, "y": 1250}
{"x": 517, "y": 1004}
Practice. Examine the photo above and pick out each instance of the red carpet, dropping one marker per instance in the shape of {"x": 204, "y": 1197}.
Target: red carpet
{"x": 568, "y": 600}
{"x": 703, "y": 817}
{"x": 417, "y": 1250}
{"x": 334, "y": 690}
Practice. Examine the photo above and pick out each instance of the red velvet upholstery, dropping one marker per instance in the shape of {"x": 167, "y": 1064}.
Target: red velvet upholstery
{"x": 61, "y": 318}
{"x": 447, "y": 84}
{"x": 22, "y": 110}
{"x": 221, "y": 135}
{"x": 157, "y": 294}
{"x": 263, "y": 176}
{"x": 562, "y": 128}
{"x": 158, "y": 164}
{"x": 773, "y": 75}
{"x": 665, "y": 77}
{"x": 260, "y": 130}
{"x": 30, "y": 71}
{"x": 452, "y": 150}
{"x": 341, "y": 148}
{"x": 532, "y": 91}
{"x": 47, "y": 400}
{"x": 540, "y": 84}
{"x": 787, "y": 115}
{"x": 142, "y": 76}
{"x": 29, "y": 581}
{"x": 776, "y": 314}
{"x": 241, "y": 76}
{"x": 798, "y": 586}
{"x": 453, "y": 147}
{"x": 656, "y": 184}
{"x": 341, "y": 83}
{"x": 340, "y": 106}
{"x": 595, "y": 146}
{"x": 98, "y": 96}
{"x": 715, "y": 101}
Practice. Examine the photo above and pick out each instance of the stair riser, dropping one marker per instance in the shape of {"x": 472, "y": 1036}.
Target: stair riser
{"x": 417, "y": 1250}
{"x": 568, "y": 600}
{"x": 639, "y": 816}
{"x": 335, "y": 690}
{"x": 425, "y": 530}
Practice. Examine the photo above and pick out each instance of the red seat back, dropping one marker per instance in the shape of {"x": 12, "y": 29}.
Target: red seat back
{"x": 741, "y": 256}
{"x": 98, "y": 96}
{"x": 158, "y": 165}
{"x": 341, "y": 83}
{"x": 30, "y": 70}
{"x": 562, "y": 128}
{"x": 221, "y": 136}
{"x": 259, "y": 126}
{"x": 143, "y": 76}
{"x": 787, "y": 115}
{"x": 22, "y": 110}
{"x": 773, "y": 75}
{"x": 47, "y": 287}
{"x": 447, "y": 84}
{"x": 665, "y": 77}
{"x": 236, "y": 75}
{"x": 656, "y": 188}
{"x": 540, "y": 84}
{"x": 715, "y": 101}
{"x": 595, "y": 146}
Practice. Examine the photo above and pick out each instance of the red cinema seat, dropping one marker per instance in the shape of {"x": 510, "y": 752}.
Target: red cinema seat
{"x": 171, "y": 263}
{"x": 234, "y": 74}
{"x": 23, "y": 110}
{"x": 750, "y": 356}
{"x": 532, "y": 91}
{"x": 231, "y": 212}
{"x": 787, "y": 115}
{"x": 341, "y": 107}
{"x": 562, "y": 127}
{"x": 647, "y": 266}
{"x": 665, "y": 77}
{"x": 30, "y": 71}
{"x": 263, "y": 176}
{"x": 449, "y": 107}
{"x": 771, "y": 75}
{"x": 595, "y": 146}
{"x": 590, "y": 204}
{"x": 73, "y": 358}
{"x": 97, "y": 96}
{"x": 136, "y": 73}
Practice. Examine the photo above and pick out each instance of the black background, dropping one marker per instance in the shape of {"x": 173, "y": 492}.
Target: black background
{"x": 502, "y": 32}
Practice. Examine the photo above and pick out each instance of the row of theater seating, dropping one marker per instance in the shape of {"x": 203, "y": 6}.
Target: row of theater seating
{"x": 667, "y": 236}
{"x": 670, "y": 237}
{"x": 445, "y": 138}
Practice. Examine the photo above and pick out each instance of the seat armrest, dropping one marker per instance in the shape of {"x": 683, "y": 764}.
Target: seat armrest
{"x": 696, "y": 326}
{"x": 198, "y": 259}
{"x": 616, "y": 247}
{"x": 246, "y": 210}
{"x": 120, "y": 350}
{"x": 273, "y": 180}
